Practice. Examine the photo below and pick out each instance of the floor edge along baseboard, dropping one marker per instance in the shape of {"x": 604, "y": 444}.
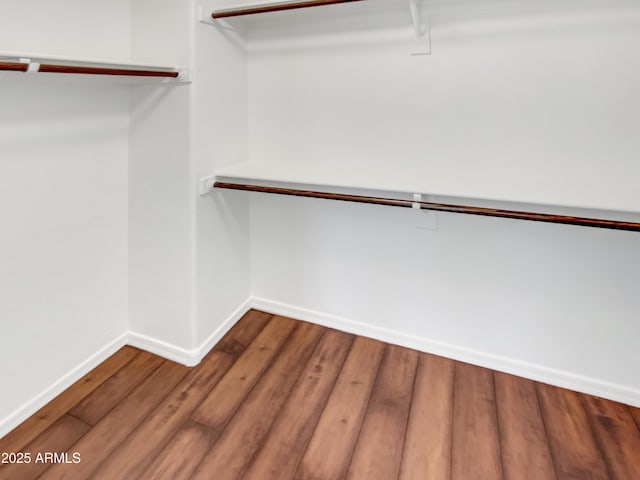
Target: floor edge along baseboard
{"x": 559, "y": 378}
{"x": 166, "y": 350}
{"x": 186, "y": 357}
{"x": 32, "y": 406}
{"x": 158, "y": 347}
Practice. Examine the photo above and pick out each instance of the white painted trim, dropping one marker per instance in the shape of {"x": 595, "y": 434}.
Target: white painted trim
{"x": 163, "y": 349}
{"x": 158, "y": 347}
{"x": 192, "y": 357}
{"x": 186, "y": 357}
{"x": 217, "y": 335}
{"x": 32, "y": 406}
{"x": 560, "y": 378}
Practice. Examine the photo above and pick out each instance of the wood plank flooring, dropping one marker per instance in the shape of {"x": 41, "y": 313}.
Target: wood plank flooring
{"x": 282, "y": 399}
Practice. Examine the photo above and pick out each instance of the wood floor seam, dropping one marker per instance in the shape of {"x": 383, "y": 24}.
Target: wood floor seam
{"x": 266, "y": 367}
{"x": 331, "y": 446}
{"x": 222, "y": 347}
{"x": 273, "y": 421}
{"x": 308, "y": 335}
{"x": 298, "y": 381}
{"x": 335, "y": 383}
{"x": 203, "y": 425}
{"x": 197, "y": 467}
{"x": 636, "y": 419}
{"x": 79, "y": 419}
{"x": 131, "y": 390}
{"x": 159, "y": 448}
{"x": 597, "y": 439}
{"x": 304, "y": 402}
{"x": 97, "y": 469}
{"x": 495, "y": 407}
{"x": 192, "y": 380}
{"x": 27, "y": 431}
{"x": 453, "y": 416}
{"x": 546, "y": 430}
{"x": 366, "y": 409}
{"x": 411, "y": 407}
{"x": 157, "y": 401}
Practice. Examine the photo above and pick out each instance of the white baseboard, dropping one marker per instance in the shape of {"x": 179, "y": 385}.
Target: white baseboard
{"x": 186, "y": 357}
{"x": 163, "y": 349}
{"x": 32, "y": 406}
{"x": 217, "y": 335}
{"x": 192, "y": 357}
{"x": 560, "y": 378}
{"x": 152, "y": 345}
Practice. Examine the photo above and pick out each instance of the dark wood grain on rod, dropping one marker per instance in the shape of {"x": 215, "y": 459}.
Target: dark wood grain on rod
{"x": 440, "y": 207}
{"x": 74, "y": 69}
{"x": 276, "y": 8}
{"x": 14, "y": 66}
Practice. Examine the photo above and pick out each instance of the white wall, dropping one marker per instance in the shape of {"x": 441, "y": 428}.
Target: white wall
{"x": 538, "y": 97}
{"x": 63, "y": 199}
{"x": 106, "y": 238}
{"x": 189, "y": 255}
{"x": 160, "y": 183}
{"x": 104, "y": 230}
{"x": 560, "y": 298}
{"x": 220, "y": 137}
{"x": 82, "y": 28}
{"x": 536, "y": 93}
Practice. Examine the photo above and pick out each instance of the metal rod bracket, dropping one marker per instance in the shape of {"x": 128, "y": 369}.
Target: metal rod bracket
{"x": 32, "y": 67}
{"x": 421, "y": 30}
{"x": 205, "y": 185}
{"x": 417, "y": 201}
{"x": 441, "y": 207}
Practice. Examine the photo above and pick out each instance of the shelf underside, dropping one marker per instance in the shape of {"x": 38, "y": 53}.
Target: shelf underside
{"x": 40, "y": 63}
{"x": 552, "y": 192}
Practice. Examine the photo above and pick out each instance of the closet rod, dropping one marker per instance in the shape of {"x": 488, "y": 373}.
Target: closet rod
{"x": 440, "y": 207}
{"x": 275, "y": 8}
{"x": 75, "y": 69}
{"x": 14, "y": 66}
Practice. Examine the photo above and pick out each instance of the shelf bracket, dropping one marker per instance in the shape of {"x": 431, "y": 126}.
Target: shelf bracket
{"x": 205, "y": 185}
{"x": 204, "y": 16}
{"x": 184, "y": 75}
{"x": 421, "y": 30}
{"x": 423, "y": 219}
{"x": 86, "y": 67}
{"x": 32, "y": 67}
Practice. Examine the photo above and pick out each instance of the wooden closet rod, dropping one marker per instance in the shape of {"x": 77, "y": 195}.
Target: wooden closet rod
{"x": 74, "y": 69}
{"x": 14, "y": 66}
{"x": 276, "y": 8}
{"x": 440, "y": 207}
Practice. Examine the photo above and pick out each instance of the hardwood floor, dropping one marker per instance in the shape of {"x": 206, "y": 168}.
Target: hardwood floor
{"x": 282, "y": 399}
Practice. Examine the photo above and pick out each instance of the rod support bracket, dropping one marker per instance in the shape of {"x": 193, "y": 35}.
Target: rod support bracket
{"x": 205, "y": 185}
{"x": 206, "y": 16}
{"x": 184, "y": 75}
{"x": 421, "y": 30}
{"x": 33, "y": 67}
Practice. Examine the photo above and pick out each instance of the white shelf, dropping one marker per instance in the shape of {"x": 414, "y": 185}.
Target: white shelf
{"x": 551, "y": 192}
{"x": 12, "y": 56}
{"x": 106, "y": 62}
{"x": 361, "y": 18}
